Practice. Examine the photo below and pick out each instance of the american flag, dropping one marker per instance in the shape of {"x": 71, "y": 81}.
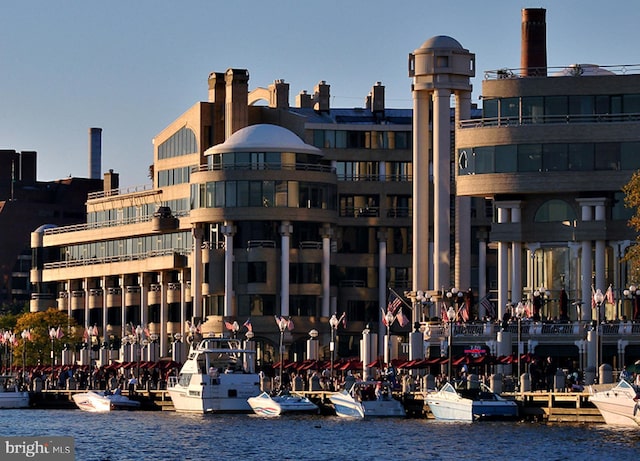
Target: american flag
{"x": 394, "y": 303}
{"x": 488, "y": 306}
{"x": 248, "y": 325}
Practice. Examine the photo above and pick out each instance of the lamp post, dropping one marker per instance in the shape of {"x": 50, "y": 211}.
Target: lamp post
{"x": 138, "y": 340}
{"x": 519, "y": 314}
{"x": 283, "y": 324}
{"x": 93, "y": 338}
{"x": 633, "y": 293}
{"x": 8, "y": 340}
{"x": 26, "y": 334}
{"x": 53, "y": 334}
{"x": 312, "y": 345}
{"x": 389, "y": 319}
{"x": 451, "y": 316}
{"x": 598, "y": 297}
{"x": 333, "y": 323}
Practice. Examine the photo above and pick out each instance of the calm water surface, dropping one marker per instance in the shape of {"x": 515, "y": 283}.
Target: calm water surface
{"x": 170, "y": 436}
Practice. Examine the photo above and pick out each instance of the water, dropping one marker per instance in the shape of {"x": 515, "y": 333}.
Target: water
{"x": 169, "y": 436}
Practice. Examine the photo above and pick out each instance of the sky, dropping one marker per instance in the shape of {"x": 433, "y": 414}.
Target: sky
{"x": 132, "y": 67}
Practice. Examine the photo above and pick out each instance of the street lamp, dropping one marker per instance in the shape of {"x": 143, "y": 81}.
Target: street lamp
{"x": 388, "y": 317}
{"x": 333, "y": 323}
{"x": 53, "y": 334}
{"x": 8, "y": 337}
{"x": 138, "y": 340}
{"x": 519, "y": 314}
{"x": 26, "y": 334}
{"x": 451, "y": 316}
{"x": 283, "y": 324}
{"x": 598, "y": 297}
{"x": 633, "y": 292}
{"x": 312, "y": 345}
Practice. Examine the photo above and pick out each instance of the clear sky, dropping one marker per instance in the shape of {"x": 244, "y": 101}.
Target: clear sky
{"x": 130, "y": 67}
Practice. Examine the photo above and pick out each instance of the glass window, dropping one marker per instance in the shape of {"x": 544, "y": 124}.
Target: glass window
{"x": 509, "y": 109}
{"x": 490, "y": 108}
{"x": 533, "y": 109}
{"x": 630, "y": 156}
{"x": 341, "y": 139}
{"x": 506, "y": 159}
{"x": 555, "y": 108}
{"x": 555, "y": 211}
{"x": 257, "y": 272}
{"x": 219, "y": 195}
{"x": 607, "y": 156}
{"x": 581, "y": 105}
{"x": 555, "y": 157}
{"x": 483, "y": 157}
{"x": 242, "y": 191}
{"x": 529, "y": 157}
{"x": 581, "y": 157}
{"x": 631, "y": 103}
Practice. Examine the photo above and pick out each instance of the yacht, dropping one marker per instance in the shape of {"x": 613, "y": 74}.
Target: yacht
{"x": 104, "y": 402}
{"x": 10, "y": 395}
{"x": 217, "y": 377}
{"x": 470, "y": 401}
{"x": 367, "y": 399}
{"x": 618, "y": 405}
{"x": 285, "y": 403}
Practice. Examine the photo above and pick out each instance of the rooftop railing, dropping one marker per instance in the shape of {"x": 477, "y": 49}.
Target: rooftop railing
{"x": 574, "y": 70}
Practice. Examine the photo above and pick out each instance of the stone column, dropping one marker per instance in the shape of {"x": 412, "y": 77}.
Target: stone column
{"x": 228, "y": 231}
{"x": 441, "y": 187}
{"x": 285, "y": 234}
{"x": 327, "y": 233}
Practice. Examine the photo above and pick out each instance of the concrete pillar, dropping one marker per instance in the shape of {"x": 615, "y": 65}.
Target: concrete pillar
{"x": 228, "y": 231}
{"x": 327, "y": 232}
{"x": 285, "y": 237}
{"x": 503, "y": 266}
{"x": 421, "y": 181}
{"x": 463, "y": 207}
{"x": 197, "y": 275}
{"x": 441, "y": 187}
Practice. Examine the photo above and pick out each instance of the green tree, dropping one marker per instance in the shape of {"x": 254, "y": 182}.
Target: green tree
{"x": 632, "y": 200}
{"x": 38, "y": 343}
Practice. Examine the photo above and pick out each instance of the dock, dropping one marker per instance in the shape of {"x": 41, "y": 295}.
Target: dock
{"x": 542, "y": 406}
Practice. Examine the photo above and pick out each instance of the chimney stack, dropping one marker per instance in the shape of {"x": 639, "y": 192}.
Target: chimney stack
{"x": 95, "y": 152}
{"x": 533, "y": 51}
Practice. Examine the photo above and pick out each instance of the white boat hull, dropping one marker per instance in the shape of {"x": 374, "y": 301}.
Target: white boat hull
{"x": 95, "y": 402}
{"x": 266, "y": 405}
{"x": 364, "y": 405}
{"x": 218, "y": 377}
{"x": 449, "y": 405}
{"x": 12, "y": 399}
{"x": 617, "y": 406}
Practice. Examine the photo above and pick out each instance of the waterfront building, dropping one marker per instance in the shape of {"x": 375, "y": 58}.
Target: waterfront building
{"x": 260, "y": 209}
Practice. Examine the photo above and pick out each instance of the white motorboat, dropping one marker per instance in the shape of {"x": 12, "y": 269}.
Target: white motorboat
{"x": 10, "y": 395}
{"x": 276, "y": 405}
{"x": 618, "y": 405}
{"x": 469, "y": 402}
{"x": 104, "y": 402}
{"x": 217, "y": 377}
{"x": 367, "y": 399}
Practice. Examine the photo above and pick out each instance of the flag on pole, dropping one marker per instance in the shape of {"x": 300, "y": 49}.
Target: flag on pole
{"x": 248, "y": 324}
{"x": 394, "y": 303}
{"x": 464, "y": 313}
{"x": 343, "y": 319}
{"x": 486, "y": 303}
{"x": 401, "y": 318}
{"x": 443, "y": 312}
{"x": 609, "y": 295}
{"x": 290, "y": 325}
{"x": 384, "y": 318}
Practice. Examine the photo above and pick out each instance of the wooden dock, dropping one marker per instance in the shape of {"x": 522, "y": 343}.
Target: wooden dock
{"x": 552, "y": 407}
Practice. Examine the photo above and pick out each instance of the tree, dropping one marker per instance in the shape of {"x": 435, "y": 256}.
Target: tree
{"x": 632, "y": 200}
{"x": 38, "y": 346}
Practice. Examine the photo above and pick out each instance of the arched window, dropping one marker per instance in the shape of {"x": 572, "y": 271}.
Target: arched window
{"x": 555, "y": 211}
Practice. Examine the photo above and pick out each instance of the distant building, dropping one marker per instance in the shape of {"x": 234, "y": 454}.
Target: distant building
{"x": 25, "y": 204}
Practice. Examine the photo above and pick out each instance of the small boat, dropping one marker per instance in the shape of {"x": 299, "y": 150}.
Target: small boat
{"x": 10, "y": 395}
{"x": 367, "y": 399}
{"x": 217, "y": 377}
{"x": 276, "y": 405}
{"x": 104, "y": 402}
{"x": 618, "y": 405}
{"x": 470, "y": 401}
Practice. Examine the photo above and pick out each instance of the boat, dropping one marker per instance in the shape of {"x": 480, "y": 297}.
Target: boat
{"x": 469, "y": 401}
{"x": 104, "y": 402}
{"x": 10, "y": 395}
{"x": 217, "y": 377}
{"x": 276, "y": 405}
{"x": 617, "y": 404}
{"x": 367, "y": 399}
